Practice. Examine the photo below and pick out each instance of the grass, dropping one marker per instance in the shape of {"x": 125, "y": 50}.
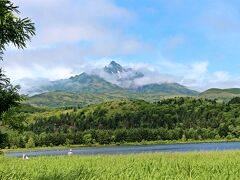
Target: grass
{"x": 193, "y": 165}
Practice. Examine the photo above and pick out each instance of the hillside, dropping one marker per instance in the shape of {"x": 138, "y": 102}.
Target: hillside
{"x": 135, "y": 121}
{"x": 168, "y": 88}
{"x": 220, "y": 94}
{"x": 81, "y": 83}
{"x": 70, "y": 99}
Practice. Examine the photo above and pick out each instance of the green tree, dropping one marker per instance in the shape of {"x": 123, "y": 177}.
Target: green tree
{"x": 30, "y": 143}
{"x": 12, "y": 28}
{"x": 87, "y": 138}
{"x": 9, "y": 96}
{"x": 17, "y": 31}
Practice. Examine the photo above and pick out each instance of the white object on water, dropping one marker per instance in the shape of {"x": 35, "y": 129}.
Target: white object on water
{"x": 24, "y": 156}
{"x": 70, "y": 152}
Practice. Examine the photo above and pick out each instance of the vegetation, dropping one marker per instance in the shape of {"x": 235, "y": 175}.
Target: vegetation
{"x": 59, "y": 99}
{"x": 168, "y": 88}
{"x": 221, "y": 94}
{"x": 13, "y": 29}
{"x": 197, "y": 165}
{"x": 9, "y": 98}
{"x": 17, "y": 31}
{"x": 118, "y": 122}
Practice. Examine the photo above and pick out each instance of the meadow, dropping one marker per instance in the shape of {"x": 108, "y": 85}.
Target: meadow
{"x": 191, "y": 165}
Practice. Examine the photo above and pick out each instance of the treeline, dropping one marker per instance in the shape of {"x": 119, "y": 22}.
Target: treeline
{"x": 117, "y": 136}
{"x": 135, "y": 121}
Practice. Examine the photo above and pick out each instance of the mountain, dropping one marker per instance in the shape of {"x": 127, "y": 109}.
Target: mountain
{"x": 122, "y": 73}
{"x": 221, "y": 94}
{"x": 123, "y": 77}
{"x": 114, "y": 68}
{"x": 85, "y": 89}
{"x": 81, "y": 83}
{"x": 168, "y": 88}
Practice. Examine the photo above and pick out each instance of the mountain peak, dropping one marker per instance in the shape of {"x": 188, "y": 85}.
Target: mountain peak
{"x": 113, "y": 68}
{"x": 114, "y": 63}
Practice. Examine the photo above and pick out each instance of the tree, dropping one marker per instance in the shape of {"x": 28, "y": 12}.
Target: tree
{"x": 9, "y": 96}
{"x": 30, "y": 143}
{"x": 13, "y": 29}
{"x": 17, "y": 31}
{"x": 87, "y": 138}
{"x": 235, "y": 100}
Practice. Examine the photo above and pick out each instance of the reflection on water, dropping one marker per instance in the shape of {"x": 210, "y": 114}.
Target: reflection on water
{"x": 132, "y": 149}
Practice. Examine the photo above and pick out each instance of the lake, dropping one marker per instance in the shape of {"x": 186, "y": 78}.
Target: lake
{"x": 217, "y": 146}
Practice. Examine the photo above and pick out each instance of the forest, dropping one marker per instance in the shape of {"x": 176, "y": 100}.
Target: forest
{"x": 116, "y": 122}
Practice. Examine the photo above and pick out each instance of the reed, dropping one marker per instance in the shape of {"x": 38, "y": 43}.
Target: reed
{"x": 190, "y": 165}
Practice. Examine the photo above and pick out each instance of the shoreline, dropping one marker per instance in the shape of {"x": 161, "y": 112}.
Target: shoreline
{"x": 121, "y": 144}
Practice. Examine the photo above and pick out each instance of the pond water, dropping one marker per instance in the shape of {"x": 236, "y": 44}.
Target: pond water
{"x": 132, "y": 149}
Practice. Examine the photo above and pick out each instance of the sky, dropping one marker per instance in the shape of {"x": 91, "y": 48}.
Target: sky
{"x": 194, "y": 43}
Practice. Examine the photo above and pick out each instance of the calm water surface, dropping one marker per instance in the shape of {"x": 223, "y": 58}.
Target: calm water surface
{"x": 133, "y": 149}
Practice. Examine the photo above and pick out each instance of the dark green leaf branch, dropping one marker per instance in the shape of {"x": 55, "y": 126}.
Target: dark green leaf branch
{"x": 13, "y": 29}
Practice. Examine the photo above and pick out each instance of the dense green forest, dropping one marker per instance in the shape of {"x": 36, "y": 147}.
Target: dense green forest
{"x": 131, "y": 121}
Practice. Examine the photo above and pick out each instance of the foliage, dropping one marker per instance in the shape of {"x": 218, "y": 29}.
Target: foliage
{"x": 9, "y": 96}
{"x": 136, "y": 121}
{"x": 71, "y": 99}
{"x": 168, "y": 88}
{"x": 195, "y": 165}
{"x": 3, "y": 140}
{"x": 87, "y": 139}
{"x": 13, "y": 29}
{"x": 235, "y": 100}
{"x": 30, "y": 143}
{"x": 17, "y": 31}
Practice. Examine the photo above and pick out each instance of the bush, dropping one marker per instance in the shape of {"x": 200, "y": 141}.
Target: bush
{"x": 30, "y": 143}
{"x": 87, "y": 138}
{"x": 68, "y": 142}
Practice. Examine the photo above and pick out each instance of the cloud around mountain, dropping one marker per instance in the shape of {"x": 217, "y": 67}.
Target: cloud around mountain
{"x": 132, "y": 77}
{"x": 112, "y": 77}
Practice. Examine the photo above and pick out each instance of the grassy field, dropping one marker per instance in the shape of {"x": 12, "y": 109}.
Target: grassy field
{"x": 194, "y": 165}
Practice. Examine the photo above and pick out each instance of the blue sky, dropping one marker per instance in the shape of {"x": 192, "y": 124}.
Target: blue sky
{"x": 195, "y": 42}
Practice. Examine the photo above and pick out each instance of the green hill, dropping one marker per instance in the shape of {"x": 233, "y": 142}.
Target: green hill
{"x": 168, "y": 88}
{"x": 83, "y": 83}
{"x": 69, "y": 99}
{"x": 138, "y": 120}
{"x": 220, "y": 94}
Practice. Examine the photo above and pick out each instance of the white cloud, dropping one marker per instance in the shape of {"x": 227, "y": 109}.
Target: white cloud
{"x": 221, "y": 76}
{"x": 61, "y": 21}
{"x": 68, "y": 34}
{"x": 193, "y": 75}
{"x": 74, "y": 36}
{"x": 197, "y": 70}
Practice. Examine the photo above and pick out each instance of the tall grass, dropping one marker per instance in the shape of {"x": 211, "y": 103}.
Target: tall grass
{"x": 194, "y": 165}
